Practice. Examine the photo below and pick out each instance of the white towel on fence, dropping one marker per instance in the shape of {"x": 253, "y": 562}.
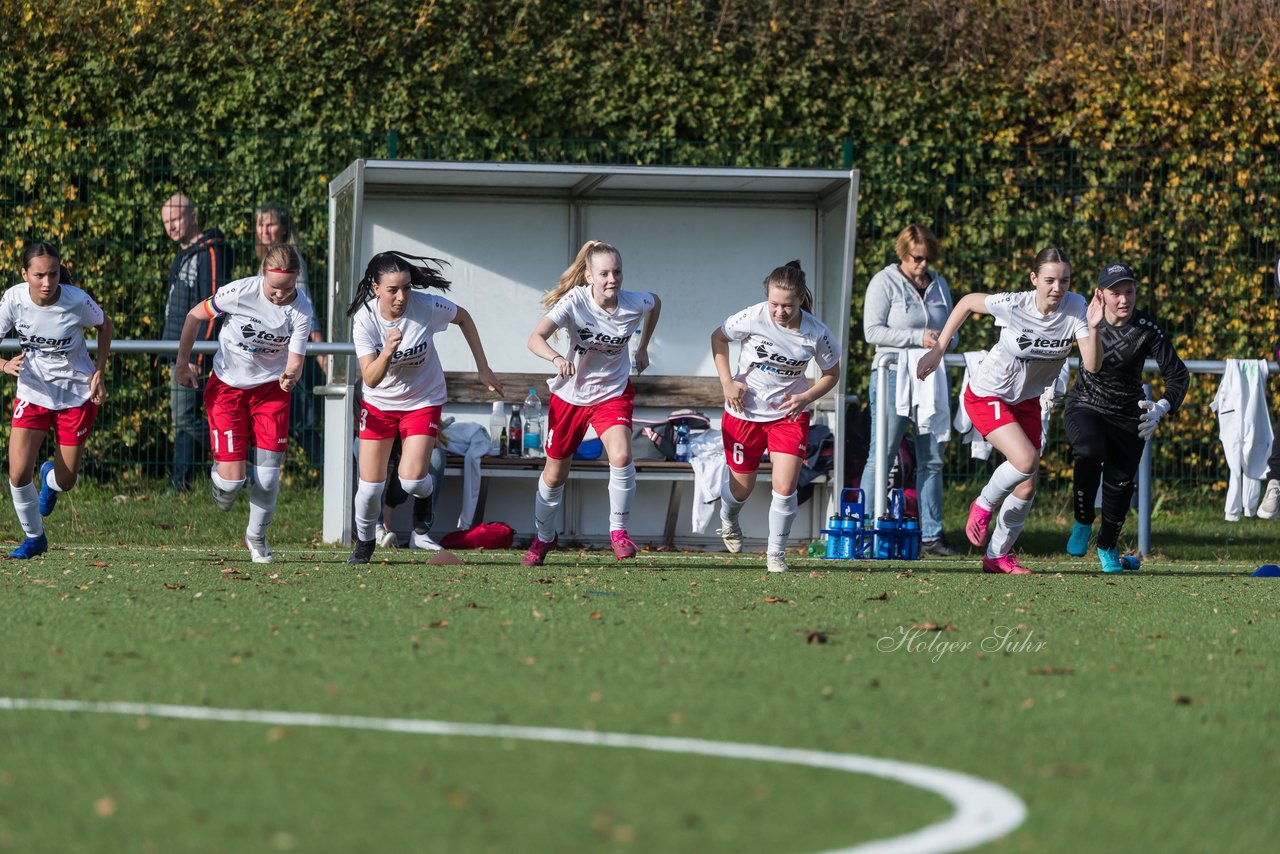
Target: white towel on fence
{"x": 924, "y": 401}
{"x": 706, "y": 455}
{"x": 1244, "y": 426}
{"x": 470, "y": 441}
{"x": 979, "y": 448}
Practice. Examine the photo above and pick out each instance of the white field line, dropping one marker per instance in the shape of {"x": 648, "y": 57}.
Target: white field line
{"x": 983, "y": 810}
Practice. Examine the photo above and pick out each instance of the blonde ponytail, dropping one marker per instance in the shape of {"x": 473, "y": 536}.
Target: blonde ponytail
{"x": 576, "y": 275}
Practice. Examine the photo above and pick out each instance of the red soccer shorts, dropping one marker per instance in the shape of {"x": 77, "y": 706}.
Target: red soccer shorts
{"x": 745, "y": 441}
{"x": 988, "y": 413}
{"x": 235, "y": 414}
{"x": 567, "y": 422}
{"x": 71, "y": 426}
{"x": 376, "y": 424}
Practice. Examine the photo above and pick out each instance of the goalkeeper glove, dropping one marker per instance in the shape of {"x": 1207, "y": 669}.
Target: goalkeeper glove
{"x": 1152, "y": 412}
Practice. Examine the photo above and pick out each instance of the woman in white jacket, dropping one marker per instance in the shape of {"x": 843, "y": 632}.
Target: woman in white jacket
{"x": 906, "y": 305}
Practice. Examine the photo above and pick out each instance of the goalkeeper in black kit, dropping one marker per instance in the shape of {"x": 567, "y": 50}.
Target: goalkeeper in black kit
{"x": 1108, "y": 419}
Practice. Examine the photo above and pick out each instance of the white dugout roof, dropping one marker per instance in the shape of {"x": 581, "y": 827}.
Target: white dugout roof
{"x": 703, "y": 239}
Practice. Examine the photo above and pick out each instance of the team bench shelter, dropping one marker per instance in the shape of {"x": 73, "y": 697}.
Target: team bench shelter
{"x": 703, "y": 239}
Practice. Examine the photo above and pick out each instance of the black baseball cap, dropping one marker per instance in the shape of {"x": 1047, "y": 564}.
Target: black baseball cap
{"x": 1114, "y": 274}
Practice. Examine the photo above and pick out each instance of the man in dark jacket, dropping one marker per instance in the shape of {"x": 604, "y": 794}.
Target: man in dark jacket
{"x": 201, "y": 267}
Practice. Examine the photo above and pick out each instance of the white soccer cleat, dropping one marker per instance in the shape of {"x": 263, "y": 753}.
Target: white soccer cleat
{"x": 385, "y": 539}
{"x": 732, "y": 536}
{"x": 776, "y": 562}
{"x": 423, "y": 541}
{"x": 259, "y": 551}
{"x": 1270, "y": 506}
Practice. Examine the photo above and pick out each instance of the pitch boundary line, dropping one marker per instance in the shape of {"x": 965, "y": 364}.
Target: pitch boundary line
{"x": 984, "y": 811}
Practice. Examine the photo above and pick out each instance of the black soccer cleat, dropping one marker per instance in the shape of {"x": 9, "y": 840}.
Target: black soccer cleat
{"x": 362, "y": 553}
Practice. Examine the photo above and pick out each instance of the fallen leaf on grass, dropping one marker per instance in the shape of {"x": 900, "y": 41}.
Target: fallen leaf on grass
{"x": 883, "y": 597}
{"x": 774, "y": 600}
{"x": 933, "y": 627}
{"x": 596, "y": 615}
{"x": 105, "y": 806}
{"x": 175, "y": 587}
{"x": 812, "y": 636}
{"x": 438, "y": 624}
{"x": 544, "y": 581}
{"x": 1049, "y": 670}
{"x": 444, "y": 559}
{"x": 1026, "y": 704}
{"x": 1180, "y": 699}
{"x": 99, "y": 564}
{"x": 278, "y": 733}
{"x": 816, "y": 574}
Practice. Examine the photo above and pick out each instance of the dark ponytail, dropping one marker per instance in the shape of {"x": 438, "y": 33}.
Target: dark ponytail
{"x": 422, "y": 275}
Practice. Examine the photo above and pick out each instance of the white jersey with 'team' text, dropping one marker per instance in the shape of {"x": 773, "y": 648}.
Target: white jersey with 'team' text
{"x": 598, "y": 344}
{"x": 1032, "y": 346}
{"x": 257, "y": 335}
{"x": 57, "y": 370}
{"x": 414, "y": 376}
{"x": 773, "y": 360}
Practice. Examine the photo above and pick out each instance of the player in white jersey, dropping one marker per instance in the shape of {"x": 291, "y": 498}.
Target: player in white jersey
{"x": 1038, "y": 330}
{"x": 591, "y": 386}
{"x": 766, "y": 401}
{"x": 260, "y": 353}
{"x": 59, "y": 386}
{"x": 393, "y": 328}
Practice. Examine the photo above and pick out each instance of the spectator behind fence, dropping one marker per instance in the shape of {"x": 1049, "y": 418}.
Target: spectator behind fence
{"x": 906, "y": 305}
{"x": 1270, "y": 506}
{"x": 201, "y": 267}
{"x": 272, "y": 224}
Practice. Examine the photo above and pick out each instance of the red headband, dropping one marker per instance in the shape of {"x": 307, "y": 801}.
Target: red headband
{"x": 274, "y": 270}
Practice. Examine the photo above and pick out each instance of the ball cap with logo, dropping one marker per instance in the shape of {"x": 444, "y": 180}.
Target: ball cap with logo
{"x": 1114, "y": 274}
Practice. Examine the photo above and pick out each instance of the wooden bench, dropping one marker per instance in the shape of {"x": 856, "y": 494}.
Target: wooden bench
{"x": 669, "y": 392}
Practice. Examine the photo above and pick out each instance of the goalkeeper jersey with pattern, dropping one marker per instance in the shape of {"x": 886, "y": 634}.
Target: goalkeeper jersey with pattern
{"x": 1032, "y": 346}
{"x": 414, "y": 377}
{"x": 1117, "y": 386}
{"x": 257, "y": 335}
{"x": 57, "y": 370}
{"x": 773, "y": 359}
{"x": 598, "y": 340}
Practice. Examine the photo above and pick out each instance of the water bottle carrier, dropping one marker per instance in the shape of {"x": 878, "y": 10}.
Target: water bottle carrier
{"x": 852, "y": 536}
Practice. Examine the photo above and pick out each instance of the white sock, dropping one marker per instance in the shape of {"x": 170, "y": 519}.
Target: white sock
{"x": 262, "y": 500}
{"x": 544, "y": 510}
{"x": 368, "y": 506}
{"x": 52, "y": 481}
{"x": 418, "y": 488}
{"x": 622, "y": 491}
{"x": 730, "y": 507}
{"x": 782, "y": 512}
{"x": 26, "y": 503}
{"x": 1009, "y": 521}
{"x": 1003, "y": 481}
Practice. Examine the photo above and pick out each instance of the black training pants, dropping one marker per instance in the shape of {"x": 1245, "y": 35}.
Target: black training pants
{"x": 1107, "y": 449}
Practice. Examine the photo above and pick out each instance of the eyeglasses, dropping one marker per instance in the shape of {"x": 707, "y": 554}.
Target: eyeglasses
{"x": 918, "y": 259}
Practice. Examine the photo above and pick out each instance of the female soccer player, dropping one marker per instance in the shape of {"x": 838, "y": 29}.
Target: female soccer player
{"x": 591, "y": 386}
{"x": 1107, "y": 417}
{"x": 58, "y": 385}
{"x": 1038, "y": 328}
{"x": 766, "y": 401}
{"x": 393, "y": 328}
{"x": 260, "y": 353}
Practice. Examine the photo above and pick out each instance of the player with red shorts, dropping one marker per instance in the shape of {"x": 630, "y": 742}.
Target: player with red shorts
{"x": 393, "y": 327}
{"x": 260, "y": 355}
{"x": 591, "y": 386}
{"x": 59, "y": 387}
{"x": 766, "y": 401}
{"x": 1038, "y": 328}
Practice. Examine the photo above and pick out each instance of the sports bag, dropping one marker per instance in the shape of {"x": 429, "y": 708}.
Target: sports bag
{"x": 656, "y": 440}
{"x": 489, "y": 535}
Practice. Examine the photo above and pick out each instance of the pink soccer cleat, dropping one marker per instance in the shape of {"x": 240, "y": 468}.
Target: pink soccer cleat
{"x": 978, "y": 526}
{"x": 1005, "y": 564}
{"x": 538, "y": 549}
{"x": 623, "y": 546}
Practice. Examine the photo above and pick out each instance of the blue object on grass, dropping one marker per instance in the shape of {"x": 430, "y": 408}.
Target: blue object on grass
{"x": 1268, "y": 570}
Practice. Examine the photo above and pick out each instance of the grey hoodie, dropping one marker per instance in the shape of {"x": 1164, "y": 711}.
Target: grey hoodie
{"x": 894, "y": 316}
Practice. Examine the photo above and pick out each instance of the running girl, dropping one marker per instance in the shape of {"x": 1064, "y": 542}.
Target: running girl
{"x": 58, "y": 385}
{"x": 766, "y": 401}
{"x": 591, "y": 386}
{"x": 1038, "y": 328}
{"x": 393, "y": 328}
{"x": 1108, "y": 418}
{"x": 260, "y": 353}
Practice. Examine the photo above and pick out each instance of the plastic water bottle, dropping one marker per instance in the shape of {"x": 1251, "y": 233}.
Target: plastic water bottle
{"x": 682, "y": 443}
{"x": 497, "y": 423}
{"x": 532, "y": 411}
{"x": 515, "y": 434}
